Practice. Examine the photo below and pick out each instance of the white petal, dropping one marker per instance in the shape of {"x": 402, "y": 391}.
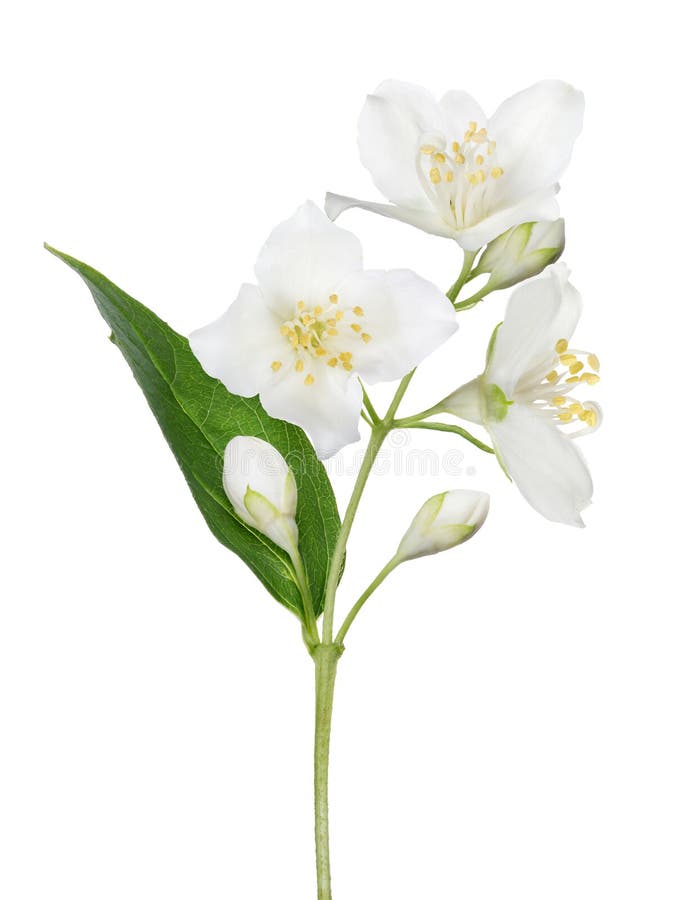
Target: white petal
{"x": 239, "y": 347}
{"x": 539, "y": 206}
{"x": 426, "y": 219}
{"x": 391, "y": 124}
{"x": 328, "y": 409}
{"x": 539, "y": 313}
{"x": 459, "y": 109}
{"x": 534, "y": 132}
{"x": 463, "y": 506}
{"x": 305, "y": 258}
{"x": 545, "y": 464}
{"x": 406, "y": 316}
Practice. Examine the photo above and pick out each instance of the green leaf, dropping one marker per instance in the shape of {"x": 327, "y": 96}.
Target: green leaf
{"x": 198, "y": 417}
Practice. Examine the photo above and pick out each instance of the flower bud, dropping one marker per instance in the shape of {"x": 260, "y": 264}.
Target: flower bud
{"x": 444, "y": 521}
{"x": 521, "y": 252}
{"x": 261, "y": 487}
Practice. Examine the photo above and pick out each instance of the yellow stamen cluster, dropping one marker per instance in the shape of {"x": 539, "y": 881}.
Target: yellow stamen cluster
{"x": 572, "y": 373}
{"x": 469, "y": 159}
{"x": 311, "y": 332}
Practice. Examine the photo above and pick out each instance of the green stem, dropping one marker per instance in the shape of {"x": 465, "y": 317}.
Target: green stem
{"x": 473, "y": 300}
{"x": 441, "y": 426}
{"x": 326, "y": 661}
{"x": 463, "y": 276}
{"x": 380, "y": 578}
{"x": 369, "y": 406}
{"x": 376, "y": 439}
{"x": 307, "y": 601}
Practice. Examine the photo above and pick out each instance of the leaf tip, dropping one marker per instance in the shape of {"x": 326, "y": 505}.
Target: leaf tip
{"x": 55, "y": 252}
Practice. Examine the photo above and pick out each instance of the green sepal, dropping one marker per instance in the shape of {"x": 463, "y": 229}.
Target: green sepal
{"x": 495, "y": 403}
{"x": 492, "y": 343}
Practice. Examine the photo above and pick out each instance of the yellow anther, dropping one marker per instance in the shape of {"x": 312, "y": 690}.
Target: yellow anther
{"x": 572, "y": 379}
{"x": 593, "y": 362}
{"x": 449, "y": 177}
{"x": 468, "y": 136}
{"x": 459, "y": 158}
{"x": 576, "y": 367}
{"x": 345, "y": 356}
{"x": 565, "y": 416}
{"x": 456, "y": 147}
{"x": 366, "y": 337}
{"x": 333, "y": 298}
{"x": 339, "y": 314}
{"x": 285, "y": 330}
{"x": 590, "y": 378}
{"x": 305, "y": 339}
{"x": 559, "y": 401}
{"x": 576, "y": 408}
{"x": 492, "y": 146}
{"x": 472, "y": 127}
{"x": 552, "y": 376}
{"x": 306, "y": 319}
{"x": 309, "y": 379}
{"x": 357, "y": 310}
{"x": 331, "y": 322}
{"x": 479, "y": 159}
{"x": 333, "y": 362}
{"x": 427, "y": 149}
{"x": 300, "y": 305}
{"x": 568, "y": 359}
{"x": 299, "y": 365}
{"x": 347, "y": 366}
{"x": 561, "y": 346}
{"x": 320, "y": 351}
{"x": 434, "y": 176}
{"x": 496, "y": 172}
{"x": 482, "y": 132}
{"x": 332, "y": 331}
{"x": 590, "y": 417}
{"x": 276, "y": 364}
{"x": 440, "y": 157}
{"x": 356, "y": 326}
{"x": 318, "y": 310}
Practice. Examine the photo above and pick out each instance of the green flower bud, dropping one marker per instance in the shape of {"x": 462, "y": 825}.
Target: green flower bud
{"x": 262, "y": 489}
{"x": 444, "y": 521}
{"x": 521, "y": 252}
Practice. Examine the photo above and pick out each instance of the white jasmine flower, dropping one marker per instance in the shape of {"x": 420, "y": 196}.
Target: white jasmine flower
{"x": 444, "y": 521}
{"x": 451, "y": 171}
{"x": 262, "y": 489}
{"x": 315, "y": 322}
{"x": 524, "y": 397}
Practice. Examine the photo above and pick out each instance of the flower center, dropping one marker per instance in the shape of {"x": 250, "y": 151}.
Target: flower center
{"x": 322, "y": 334}
{"x": 550, "y": 392}
{"x": 460, "y": 181}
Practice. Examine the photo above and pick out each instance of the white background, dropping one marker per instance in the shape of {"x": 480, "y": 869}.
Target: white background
{"x": 511, "y": 718}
